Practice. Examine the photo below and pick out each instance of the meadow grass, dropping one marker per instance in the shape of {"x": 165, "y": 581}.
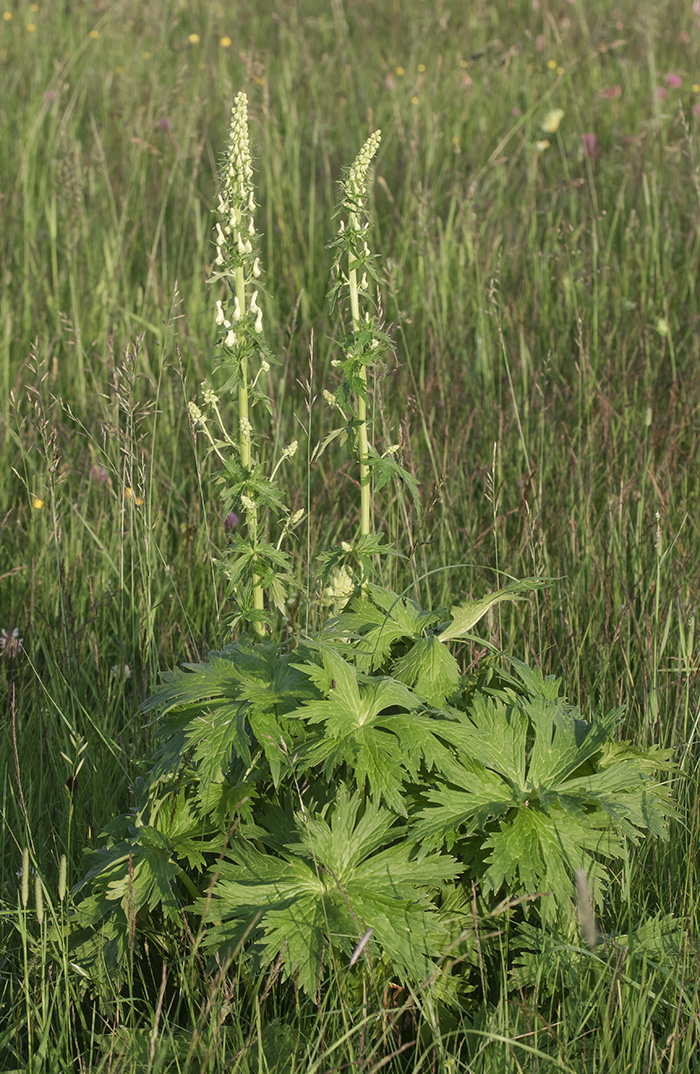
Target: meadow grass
{"x": 543, "y": 304}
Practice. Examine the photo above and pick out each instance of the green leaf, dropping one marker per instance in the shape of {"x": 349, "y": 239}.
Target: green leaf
{"x": 373, "y": 622}
{"x": 540, "y": 853}
{"x": 535, "y": 793}
{"x": 430, "y": 669}
{"x": 465, "y": 616}
{"x": 337, "y": 881}
{"x": 360, "y": 729}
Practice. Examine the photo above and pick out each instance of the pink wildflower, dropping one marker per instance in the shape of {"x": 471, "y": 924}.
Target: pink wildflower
{"x": 674, "y": 81}
{"x": 591, "y": 146}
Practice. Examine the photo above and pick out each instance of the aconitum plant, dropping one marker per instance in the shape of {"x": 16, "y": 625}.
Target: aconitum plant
{"x": 331, "y": 811}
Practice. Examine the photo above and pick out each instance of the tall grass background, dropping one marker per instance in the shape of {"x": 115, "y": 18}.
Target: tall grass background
{"x": 545, "y": 391}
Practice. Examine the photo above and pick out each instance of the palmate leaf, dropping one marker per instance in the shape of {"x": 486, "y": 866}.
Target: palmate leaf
{"x": 539, "y": 852}
{"x": 137, "y": 874}
{"x": 338, "y": 880}
{"x": 366, "y": 632}
{"x": 360, "y": 727}
{"x": 541, "y": 793}
{"x": 221, "y": 708}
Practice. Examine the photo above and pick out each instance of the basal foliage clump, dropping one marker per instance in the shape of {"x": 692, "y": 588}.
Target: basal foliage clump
{"x": 335, "y": 806}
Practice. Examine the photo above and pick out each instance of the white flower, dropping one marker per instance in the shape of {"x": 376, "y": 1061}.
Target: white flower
{"x": 339, "y": 590}
{"x": 219, "y": 318}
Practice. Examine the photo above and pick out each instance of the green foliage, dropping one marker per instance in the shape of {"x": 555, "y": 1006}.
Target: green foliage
{"x": 356, "y": 786}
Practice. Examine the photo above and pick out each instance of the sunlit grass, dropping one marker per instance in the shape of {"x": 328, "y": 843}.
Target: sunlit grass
{"x": 544, "y": 305}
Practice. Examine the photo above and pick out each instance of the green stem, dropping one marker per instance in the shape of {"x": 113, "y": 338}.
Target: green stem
{"x": 365, "y": 482}
{"x": 243, "y": 419}
{"x": 244, "y": 431}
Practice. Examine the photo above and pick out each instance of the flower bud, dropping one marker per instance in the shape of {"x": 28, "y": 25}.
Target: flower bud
{"x": 194, "y": 412}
